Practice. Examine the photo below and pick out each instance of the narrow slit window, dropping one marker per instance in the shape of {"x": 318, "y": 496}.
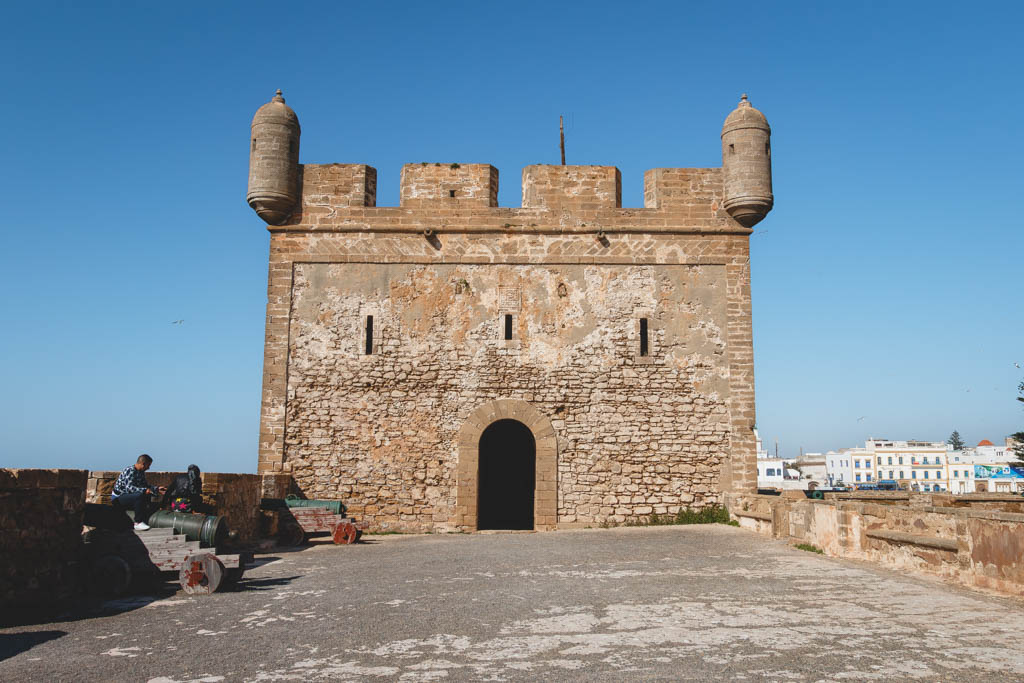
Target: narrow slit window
{"x": 369, "y": 335}
{"x": 643, "y": 337}
{"x": 732, "y": 149}
{"x": 451, "y": 193}
{"x": 508, "y": 326}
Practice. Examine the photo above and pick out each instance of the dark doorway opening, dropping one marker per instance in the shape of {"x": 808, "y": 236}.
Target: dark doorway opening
{"x": 507, "y": 476}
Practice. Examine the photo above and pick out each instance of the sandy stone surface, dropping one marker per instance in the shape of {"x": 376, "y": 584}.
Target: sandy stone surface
{"x": 670, "y": 603}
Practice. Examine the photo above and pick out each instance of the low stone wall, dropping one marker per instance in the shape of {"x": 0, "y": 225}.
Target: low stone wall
{"x": 1002, "y": 502}
{"x": 235, "y": 496}
{"x": 278, "y": 485}
{"x": 963, "y": 540}
{"x": 40, "y": 535}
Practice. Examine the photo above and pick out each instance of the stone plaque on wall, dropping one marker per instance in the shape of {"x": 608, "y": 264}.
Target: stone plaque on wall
{"x": 509, "y": 299}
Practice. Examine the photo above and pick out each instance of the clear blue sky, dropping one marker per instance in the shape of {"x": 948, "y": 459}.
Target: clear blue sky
{"x": 887, "y": 281}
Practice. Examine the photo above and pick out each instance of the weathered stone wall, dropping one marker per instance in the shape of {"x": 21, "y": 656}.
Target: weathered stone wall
{"x": 449, "y": 185}
{"x": 571, "y": 187}
{"x": 334, "y": 186}
{"x": 235, "y": 496}
{"x": 277, "y": 485}
{"x": 40, "y": 535}
{"x": 964, "y": 543}
{"x": 633, "y": 434}
{"x": 639, "y": 433}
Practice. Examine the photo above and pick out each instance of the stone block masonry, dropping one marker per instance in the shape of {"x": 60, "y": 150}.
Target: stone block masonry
{"x": 40, "y": 535}
{"x": 396, "y": 337}
{"x": 448, "y": 185}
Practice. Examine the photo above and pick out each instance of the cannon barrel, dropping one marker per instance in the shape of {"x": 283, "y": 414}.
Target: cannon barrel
{"x": 336, "y": 507}
{"x": 209, "y": 530}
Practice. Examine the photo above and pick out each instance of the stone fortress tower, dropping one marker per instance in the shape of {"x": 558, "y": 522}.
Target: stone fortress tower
{"x": 449, "y": 364}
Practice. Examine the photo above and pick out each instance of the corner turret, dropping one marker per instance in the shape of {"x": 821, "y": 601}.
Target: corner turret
{"x": 274, "y": 161}
{"x": 747, "y": 164}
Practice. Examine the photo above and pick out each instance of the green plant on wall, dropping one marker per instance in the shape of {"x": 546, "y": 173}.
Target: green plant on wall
{"x": 809, "y": 548}
{"x": 712, "y": 514}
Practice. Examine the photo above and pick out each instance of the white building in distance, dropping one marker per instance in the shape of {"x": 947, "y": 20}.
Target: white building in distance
{"x": 839, "y": 467}
{"x": 927, "y": 466}
{"x": 772, "y": 472}
{"x": 995, "y": 469}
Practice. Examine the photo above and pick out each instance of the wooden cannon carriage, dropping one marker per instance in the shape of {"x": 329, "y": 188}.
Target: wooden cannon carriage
{"x": 298, "y": 518}
{"x": 116, "y": 555}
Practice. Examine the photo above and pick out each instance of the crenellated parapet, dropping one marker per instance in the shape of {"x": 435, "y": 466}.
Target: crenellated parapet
{"x": 463, "y": 197}
{"x": 343, "y": 197}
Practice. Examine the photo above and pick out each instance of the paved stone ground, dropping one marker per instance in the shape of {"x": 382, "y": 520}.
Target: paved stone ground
{"x": 667, "y": 603}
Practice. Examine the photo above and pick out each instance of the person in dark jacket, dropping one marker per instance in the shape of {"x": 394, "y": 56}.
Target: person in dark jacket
{"x": 131, "y": 490}
{"x": 186, "y": 491}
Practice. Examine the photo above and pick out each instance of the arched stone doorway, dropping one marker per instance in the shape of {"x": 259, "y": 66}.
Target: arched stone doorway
{"x": 506, "y": 479}
{"x": 545, "y": 488}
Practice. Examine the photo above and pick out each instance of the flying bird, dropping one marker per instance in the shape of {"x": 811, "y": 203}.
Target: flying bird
{"x": 861, "y": 418}
{"x": 177, "y": 322}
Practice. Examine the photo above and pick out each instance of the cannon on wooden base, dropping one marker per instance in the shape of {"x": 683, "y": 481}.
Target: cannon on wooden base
{"x": 296, "y": 521}
{"x": 117, "y": 555}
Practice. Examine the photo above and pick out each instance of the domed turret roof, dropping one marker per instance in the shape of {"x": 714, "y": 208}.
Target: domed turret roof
{"x": 745, "y": 116}
{"x": 985, "y": 442}
{"x": 276, "y": 111}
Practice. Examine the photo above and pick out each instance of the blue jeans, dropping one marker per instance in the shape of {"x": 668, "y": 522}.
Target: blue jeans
{"x": 139, "y": 501}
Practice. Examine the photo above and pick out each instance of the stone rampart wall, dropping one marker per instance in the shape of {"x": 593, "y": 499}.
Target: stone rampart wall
{"x": 40, "y": 535}
{"x": 953, "y": 537}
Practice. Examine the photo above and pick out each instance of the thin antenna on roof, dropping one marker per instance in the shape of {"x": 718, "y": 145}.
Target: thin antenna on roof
{"x": 561, "y": 136}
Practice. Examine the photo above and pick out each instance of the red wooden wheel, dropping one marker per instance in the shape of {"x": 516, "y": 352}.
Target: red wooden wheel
{"x": 201, "y": 574}
{"x": 345, "y": 533}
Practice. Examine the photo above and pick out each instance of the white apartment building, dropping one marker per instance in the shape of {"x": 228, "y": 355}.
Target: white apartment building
{"x": 915, "y": 465}
{"x": 927, "y": 466}
{"x": 839, "y": 467}
{"x": 761, "y": 452}
{"x": 771, "y": 471}
{"x": 961, "y": 471}
{"x": 988, "y": 452}
{"x": 995, "y": 468}
{"x": 862, "y": 471}
{"x": 812, "y": 469}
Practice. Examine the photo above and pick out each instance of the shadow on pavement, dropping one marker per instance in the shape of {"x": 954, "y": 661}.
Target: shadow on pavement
{"x": 12, "y": 644}
{"x": 145, "y": 589}
{"x": 245, "y": 585}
